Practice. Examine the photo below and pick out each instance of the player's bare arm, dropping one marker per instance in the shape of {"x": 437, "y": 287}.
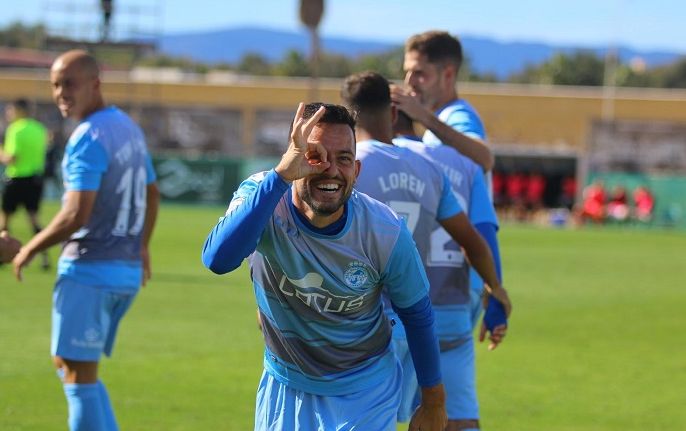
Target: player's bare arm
{"x": 475, "y": 149}
{"x": 480, "y": 258}
{"x": 431, "y": 413}
{"x": 75, "y": 213}
{"x": 152, "y": 198}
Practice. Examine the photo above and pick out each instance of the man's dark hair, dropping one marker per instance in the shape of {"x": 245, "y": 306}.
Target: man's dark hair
{"x": 438, "y": 46}
{"x": 334, "y": 114}
{"x": 403, "y": 124}
{"x": 21, "y": 105}
{"x": 366, "y": 92}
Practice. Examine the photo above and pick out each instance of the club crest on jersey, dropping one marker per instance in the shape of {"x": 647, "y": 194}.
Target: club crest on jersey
{"x": 356, "y": 274}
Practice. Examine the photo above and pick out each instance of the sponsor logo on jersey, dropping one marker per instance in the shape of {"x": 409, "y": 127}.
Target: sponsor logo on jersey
{"x": 310, "y": 291}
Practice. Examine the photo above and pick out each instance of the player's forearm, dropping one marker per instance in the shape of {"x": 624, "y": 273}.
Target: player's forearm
{"x": 60, "y": 229}
{"x": 237, "y": 234}
{"x": 467, "y": 146}
{"x": 481, "y": 260}
{"x": 488, "y": 233}
{"x": 433, "y": 396}
{"x": 152, "y": 206}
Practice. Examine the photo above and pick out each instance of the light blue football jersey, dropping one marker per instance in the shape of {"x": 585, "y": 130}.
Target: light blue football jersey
{"x": 319, "y": 296}
{"x": 449, "y": 275}
{"x": 461, "y": 116}
{"x": 413, "y": 186}
{"x": 107, "y": 153}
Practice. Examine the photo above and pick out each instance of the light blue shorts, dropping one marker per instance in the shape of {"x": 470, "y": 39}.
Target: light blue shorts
{"x": 476, "y": 306}
{"x": 476, "y": 290}
{"x": 85, "y": 320}
{"x": 409, "y": 392}
{"x": 457, "y": 368}
{"x": 280, "y": 408}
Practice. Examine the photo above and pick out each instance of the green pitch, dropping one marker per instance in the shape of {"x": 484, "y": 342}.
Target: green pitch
{"x": 596, "y": 342}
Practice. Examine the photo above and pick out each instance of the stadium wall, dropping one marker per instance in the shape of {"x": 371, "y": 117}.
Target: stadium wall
{"x": 535, "y": 117}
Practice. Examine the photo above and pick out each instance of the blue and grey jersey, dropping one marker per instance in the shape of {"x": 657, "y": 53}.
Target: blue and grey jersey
{"x": 413, "y": 186}
{"x": 319, "y": 295}
{"x": 107, "y": 153}
{"x": 461, "y": 116}
{"x": 449, "y": 276}
{"x": 417, "y": 190}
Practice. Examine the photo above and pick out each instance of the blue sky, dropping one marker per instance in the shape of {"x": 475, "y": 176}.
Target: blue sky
{"x": 641, "y": 24}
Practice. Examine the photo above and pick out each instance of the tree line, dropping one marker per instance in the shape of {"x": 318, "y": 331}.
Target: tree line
{"x": 578, "y": 68}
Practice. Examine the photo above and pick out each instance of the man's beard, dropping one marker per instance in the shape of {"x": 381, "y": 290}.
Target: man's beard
{"x": 323, "y": 208}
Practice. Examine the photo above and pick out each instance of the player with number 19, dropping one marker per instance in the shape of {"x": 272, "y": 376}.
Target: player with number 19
{"x": 106, "y": 221}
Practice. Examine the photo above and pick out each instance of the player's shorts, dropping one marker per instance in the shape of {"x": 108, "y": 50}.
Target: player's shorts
{"x": 409, "y": 392}
{"x": 280, "y": 408}
{"x": 26, "y": 191}
{"x": 459, "y": 379}
{"x": 85, "y": 320}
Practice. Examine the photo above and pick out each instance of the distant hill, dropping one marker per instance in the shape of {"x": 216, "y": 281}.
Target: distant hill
{"x": 485, "y": 55}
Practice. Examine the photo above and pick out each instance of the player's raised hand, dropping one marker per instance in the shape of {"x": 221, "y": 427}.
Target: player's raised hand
{"x": 302, "y": 157}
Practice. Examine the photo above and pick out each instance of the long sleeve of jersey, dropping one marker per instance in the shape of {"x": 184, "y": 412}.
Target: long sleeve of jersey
{"x": 406, "y": 274}
{"x": 238, "y": 232}
{"x": 488, "y": 232}
{"x": 418, "y": 321}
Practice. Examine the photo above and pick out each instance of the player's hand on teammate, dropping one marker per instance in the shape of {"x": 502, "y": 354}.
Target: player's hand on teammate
{"x": 9, "y": 247}
{"x": 431, "y": 414}
{"x": 408, "y": 102}
{"x": 303, "y": 158}
{"x": 498, "y": 308}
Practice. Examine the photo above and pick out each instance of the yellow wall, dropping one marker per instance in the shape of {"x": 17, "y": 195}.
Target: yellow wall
{"x": 520, "y": 115}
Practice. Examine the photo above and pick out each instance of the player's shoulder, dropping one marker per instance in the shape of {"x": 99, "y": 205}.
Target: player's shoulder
{"x": 460, "y": 106}
{"x": 373, "y": 210}
{"x": 372, "y": 148}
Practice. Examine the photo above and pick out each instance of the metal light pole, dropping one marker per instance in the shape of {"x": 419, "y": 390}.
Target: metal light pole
{"x": 311, "y": 12}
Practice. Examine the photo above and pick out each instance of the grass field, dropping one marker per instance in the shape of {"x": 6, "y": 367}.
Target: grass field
{"x": 596, "y": 340}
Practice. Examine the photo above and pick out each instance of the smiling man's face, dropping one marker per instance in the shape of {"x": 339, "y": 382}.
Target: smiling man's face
{"x": 321, "y": 197}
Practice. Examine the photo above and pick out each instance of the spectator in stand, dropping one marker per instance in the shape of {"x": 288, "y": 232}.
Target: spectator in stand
{"x": 535, "y": 188}
{"x": 498, "y": 190}
{"x": 568, "y": 194}
{"x": 618, "y": 206}
{"x": 593, "y": 204}
{"x": 515, "y": 185}
{"x": 644, "y": 204}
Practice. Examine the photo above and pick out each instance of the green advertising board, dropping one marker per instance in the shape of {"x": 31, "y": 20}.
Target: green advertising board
{"x": 203, "y": 180}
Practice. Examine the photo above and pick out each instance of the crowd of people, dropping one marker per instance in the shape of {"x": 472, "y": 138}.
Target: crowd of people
{"x": 525, "y": 195}
{"x": 598, "y": 207}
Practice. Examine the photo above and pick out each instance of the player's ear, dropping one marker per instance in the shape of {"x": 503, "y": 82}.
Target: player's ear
{"x": 394, "y": 114}
{"x": 358, "y": 168}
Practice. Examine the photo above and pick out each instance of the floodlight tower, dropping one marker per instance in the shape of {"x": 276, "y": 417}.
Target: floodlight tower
{"x": 134, "y": 21}
{"x": 311, "y": 12}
